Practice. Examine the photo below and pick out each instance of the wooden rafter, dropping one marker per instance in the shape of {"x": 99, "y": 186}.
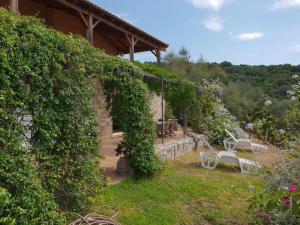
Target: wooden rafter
{"x": 77, "y": 8}
{"x": 83, "y": 19}
{"x": 96, "y": 24}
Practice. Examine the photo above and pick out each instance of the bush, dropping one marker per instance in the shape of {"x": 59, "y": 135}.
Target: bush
{"x": 279, "y": 202}
{"x": 124, "y": 84}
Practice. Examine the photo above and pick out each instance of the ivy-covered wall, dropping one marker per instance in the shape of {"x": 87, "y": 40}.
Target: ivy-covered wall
{"x": 47, "y": 77}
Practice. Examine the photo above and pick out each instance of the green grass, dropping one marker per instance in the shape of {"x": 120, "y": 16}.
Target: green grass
{"x": 184, "y": 194}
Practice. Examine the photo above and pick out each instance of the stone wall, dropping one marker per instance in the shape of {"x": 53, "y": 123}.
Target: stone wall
{"x": 105, "y": 128}
{"x": 155, "y": 105}
{"x": 173, "y": 149}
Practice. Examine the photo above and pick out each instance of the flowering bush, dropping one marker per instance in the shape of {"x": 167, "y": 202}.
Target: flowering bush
{"x": 279, "y": 203}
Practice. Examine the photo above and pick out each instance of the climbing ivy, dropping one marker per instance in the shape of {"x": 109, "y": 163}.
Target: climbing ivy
{"x": 49, "y": 157}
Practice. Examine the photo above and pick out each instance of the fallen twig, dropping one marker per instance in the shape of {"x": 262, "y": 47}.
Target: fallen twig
{"x": 95, "y": 219}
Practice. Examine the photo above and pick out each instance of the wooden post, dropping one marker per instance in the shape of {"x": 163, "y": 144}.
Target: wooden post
{"x": 89, "y": 23}
{"x": 132, "y": 42}
{"x": 158, "y": 57}
{"x": 131, "y": 49}
{"x": 162, "y": 111}
{"x": 14, "y": 5}
{"x": 90, "y": 29}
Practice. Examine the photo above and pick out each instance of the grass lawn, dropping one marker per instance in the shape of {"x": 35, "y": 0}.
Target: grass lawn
{"x": 184, "y": 194}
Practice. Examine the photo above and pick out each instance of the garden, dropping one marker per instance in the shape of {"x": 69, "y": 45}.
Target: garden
{"x": 49, "y": 158}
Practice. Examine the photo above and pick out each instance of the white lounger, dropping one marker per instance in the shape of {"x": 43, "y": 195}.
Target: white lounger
{"x": 232, "y": 143}
{"x": 211, "y": 159}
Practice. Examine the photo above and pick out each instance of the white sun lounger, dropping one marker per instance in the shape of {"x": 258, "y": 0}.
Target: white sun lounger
{"x": 211, "y": 159}
{"x": 232, "y": 143}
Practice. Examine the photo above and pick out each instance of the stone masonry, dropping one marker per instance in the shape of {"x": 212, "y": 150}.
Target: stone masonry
{"x": 173, "y": 149}
{"x": 105, "y": 128}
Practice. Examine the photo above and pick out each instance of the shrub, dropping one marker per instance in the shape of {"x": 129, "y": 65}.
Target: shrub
{"x": 279, "y": 202}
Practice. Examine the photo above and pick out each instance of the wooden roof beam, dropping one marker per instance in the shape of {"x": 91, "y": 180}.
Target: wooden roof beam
{"x": 107, "y": 22}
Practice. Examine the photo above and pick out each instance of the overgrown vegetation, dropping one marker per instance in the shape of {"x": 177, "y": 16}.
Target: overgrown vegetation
{"x": 244, "y": 90}
{"x": 198, "y": 100}
{"x": 262, "y": 96}
{"x": 279, "y": 202}
{"x": 49, "y": 157}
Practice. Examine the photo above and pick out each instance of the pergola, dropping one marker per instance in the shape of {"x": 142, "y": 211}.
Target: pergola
{"x": 103, "y": 29}
{"x": 163, "y": 82}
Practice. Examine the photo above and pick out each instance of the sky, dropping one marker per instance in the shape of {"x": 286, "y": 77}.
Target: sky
{"x": 251, "y": 32}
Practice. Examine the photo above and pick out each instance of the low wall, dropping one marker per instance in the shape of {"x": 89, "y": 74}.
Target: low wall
{"x": 173, "y": 149}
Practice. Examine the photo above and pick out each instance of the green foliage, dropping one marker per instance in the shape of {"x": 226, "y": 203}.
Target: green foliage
{"x": 124, "y": 85}
{"x": 242, "y": 99}
{"x": 198, "y": 100}
{"x": 279, "y": 202}
{"x": 49, "y": 157}
{"x": 245, "y": 89}
{"x": 51, "y": 161}
{"x": 180, "y": 96}
{"x": 194, "y": 71}
{"x": 168, "y": 111}
{"x": 205, "y": 116}
{"x": 275, "y": 80}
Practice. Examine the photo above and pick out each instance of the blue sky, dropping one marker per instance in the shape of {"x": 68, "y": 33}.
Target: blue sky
{"x": 239, "y": 31}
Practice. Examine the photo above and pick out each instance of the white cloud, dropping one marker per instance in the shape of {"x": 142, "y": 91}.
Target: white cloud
{"x": 248, "y": 36}
{"x": 295, "y": 48}
{"x": 213, "y": 23}
{"x": 285, "y": 4}
{"x": 208, "y": 4}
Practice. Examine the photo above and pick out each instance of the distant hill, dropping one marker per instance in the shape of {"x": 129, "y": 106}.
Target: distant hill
{"x": 275, "y": 80}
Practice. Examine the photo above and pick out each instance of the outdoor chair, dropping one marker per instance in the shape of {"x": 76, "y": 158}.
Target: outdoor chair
{"x": 211, "y": 159}
{"x": 231, "y": 144}
{"x": 171, "y": 127}
{"x": 162, "y": 129}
